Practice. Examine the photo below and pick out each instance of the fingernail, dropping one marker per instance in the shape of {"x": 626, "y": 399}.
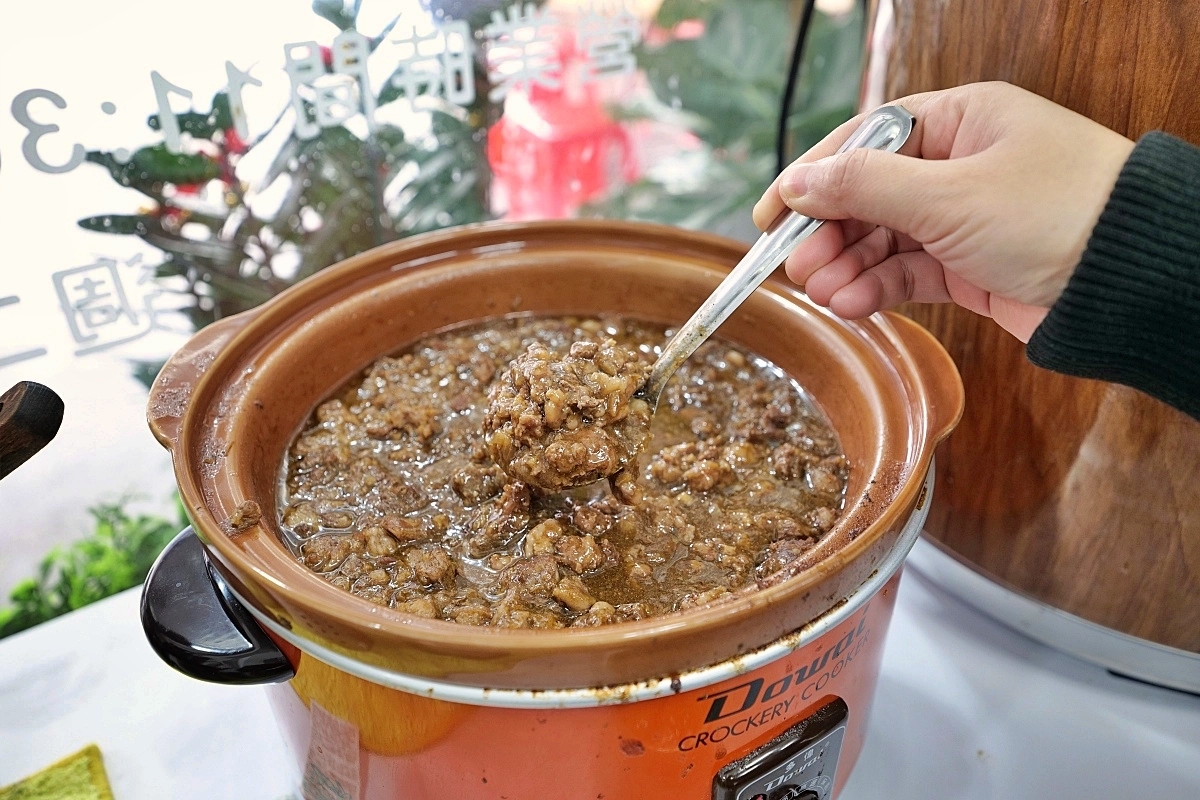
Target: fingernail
{"x": 794, "y": 182}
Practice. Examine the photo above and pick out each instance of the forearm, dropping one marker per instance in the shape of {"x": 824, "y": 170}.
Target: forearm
{"x": 1131, "y": 311}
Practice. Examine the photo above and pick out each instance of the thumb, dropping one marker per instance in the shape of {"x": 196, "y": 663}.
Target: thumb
{"x": 874, "y": 186}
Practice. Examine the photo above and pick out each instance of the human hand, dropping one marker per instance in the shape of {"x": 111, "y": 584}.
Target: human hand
{"x": 992, "y": 213}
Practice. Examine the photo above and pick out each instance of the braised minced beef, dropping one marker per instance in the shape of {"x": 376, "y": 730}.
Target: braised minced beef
{"x": 560, "y": 421}
{"x": 392, "y": 492}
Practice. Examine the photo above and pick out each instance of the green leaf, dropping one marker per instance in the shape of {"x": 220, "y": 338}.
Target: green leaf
{"x": 201, "y": 125}
{"x": 673, "y": 12}
{"x": 152, "y": 167}
{"x": 732, "y": 76}
{"x": 117, "y": 556}
{"x": 221, "y": 115}
{"x": 157, "y": 163}
{"x": 127, "y": 174}
{"x": 726, "y": 87}
{"x": 124, "y": 224}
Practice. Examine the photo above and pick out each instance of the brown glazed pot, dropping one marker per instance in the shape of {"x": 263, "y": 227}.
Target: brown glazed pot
{"x": 228, "y": 404}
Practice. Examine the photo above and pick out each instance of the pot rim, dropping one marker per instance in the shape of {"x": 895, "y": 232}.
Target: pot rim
{"x": 586, "y": 697}
{"x": 268, "y": 322}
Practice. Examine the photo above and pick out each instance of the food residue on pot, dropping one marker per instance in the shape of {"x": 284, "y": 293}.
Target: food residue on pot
{"x": 245, "y": 516}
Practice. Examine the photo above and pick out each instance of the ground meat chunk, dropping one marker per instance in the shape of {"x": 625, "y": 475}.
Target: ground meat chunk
{"x": 474, "y": 483}
{"x": 555, "y": 422}
{"x": 380, "y": 542}
{"x": 580, "y": 553}
{"x": 541, "y": 540}
{"x": 779, "y": 524}
{"x": 480, "y": 614}
{"x": 591, "y": 520}
{"x": 498, "y": 523}
{"x": 431, "y": 565}
{"x": 515, "y": 612}
{"x": 354, "y": 566}
{"x": 599, "y": 613}
{"x": 401, "y": 498}
{"x": 790, "y": 462}
{"x": 625, "y": 487}
{"x": 418, "y": 607}
{"x": 573, "y": 594}
{"x": 468, "y": 607}
{"x": 416, "y": 418}
{"x": 405, "y": 529}
{"x": 694, "y": 599}
{"x": 779, "y": 554}
{"x": 337, "y": 519}
{"x": 822, "y": 479}
{"x": 302, "y": 518}
{"x": 706, "y": 475}
{"x": 821, "y": 519}
{"x": 324, "y": 553}
{"x": 633, "y": 611}
{"x": 535, "y": 577}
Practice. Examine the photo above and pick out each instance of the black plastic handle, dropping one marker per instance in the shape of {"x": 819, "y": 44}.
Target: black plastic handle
{"x": 197, "y": 626}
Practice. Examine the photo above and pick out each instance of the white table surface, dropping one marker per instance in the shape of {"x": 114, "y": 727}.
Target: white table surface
{"x": 965, "y": 709}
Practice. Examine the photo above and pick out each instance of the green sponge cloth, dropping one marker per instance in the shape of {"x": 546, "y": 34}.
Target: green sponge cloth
{"x": 77, "y": 777}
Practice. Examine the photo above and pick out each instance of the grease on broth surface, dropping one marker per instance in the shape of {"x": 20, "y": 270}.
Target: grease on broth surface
{"x": 390, "y": 492}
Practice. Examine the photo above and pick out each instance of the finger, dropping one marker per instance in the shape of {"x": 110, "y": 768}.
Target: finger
{"x": 857, "y": 257}
{"x": 771, "y": 205}
{"x": 936, "y": 120}
{"x": 814, "y": 252}
{"x": 908, "y": 276}
{"x": 909, "y": 195}
{"x": 967, "y": 294}
{"x": 810, "y": 257}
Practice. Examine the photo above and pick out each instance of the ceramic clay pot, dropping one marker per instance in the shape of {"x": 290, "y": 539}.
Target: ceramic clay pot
{"x": 426, "y": 708}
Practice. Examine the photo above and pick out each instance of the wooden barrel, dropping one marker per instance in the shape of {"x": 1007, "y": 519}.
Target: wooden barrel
{"x": 1082, "y": 494}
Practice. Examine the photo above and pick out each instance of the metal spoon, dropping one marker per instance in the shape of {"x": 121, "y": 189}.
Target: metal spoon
{"x": 886, "y": 129}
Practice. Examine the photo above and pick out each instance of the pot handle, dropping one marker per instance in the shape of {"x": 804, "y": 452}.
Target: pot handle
{"x": 197, "y": 626}
{"x": 939, "y": 375}
{"x": 172, "y": 389}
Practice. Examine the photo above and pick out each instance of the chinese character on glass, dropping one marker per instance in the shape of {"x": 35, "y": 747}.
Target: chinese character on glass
{"x": 22, "y": 355}
{"x": 334, "y": 98}
{"x": 522, "y": 50}
{"x": 438, "y": 64}
{"x": 103, "y": 307}
{"x": 607, "y": 41}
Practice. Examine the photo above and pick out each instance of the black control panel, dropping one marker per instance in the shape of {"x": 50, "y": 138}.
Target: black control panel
{"x": 799, "y": 764}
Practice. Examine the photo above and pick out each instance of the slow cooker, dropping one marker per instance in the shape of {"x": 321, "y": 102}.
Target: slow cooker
{"x": 762, "y": 696}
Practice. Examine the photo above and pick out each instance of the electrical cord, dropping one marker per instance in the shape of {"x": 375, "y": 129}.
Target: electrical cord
{"x": 785, "y": 105}
{"x": 789, "y": 89}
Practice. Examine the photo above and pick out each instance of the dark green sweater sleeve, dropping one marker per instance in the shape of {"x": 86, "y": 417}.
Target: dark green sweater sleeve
{"x": 1131, "y": 311}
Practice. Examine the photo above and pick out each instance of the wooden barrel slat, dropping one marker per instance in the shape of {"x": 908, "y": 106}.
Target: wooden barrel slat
{"x": 1083, "y": 494}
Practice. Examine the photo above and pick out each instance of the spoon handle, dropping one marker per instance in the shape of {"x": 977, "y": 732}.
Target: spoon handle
{"x": 886, "y": 128}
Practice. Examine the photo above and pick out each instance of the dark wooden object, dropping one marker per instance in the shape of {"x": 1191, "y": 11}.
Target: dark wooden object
{"x": 30, "y": 415}
{"x": 1082, "y": 494}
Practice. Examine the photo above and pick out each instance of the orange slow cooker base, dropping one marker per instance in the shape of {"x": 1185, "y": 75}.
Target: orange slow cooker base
{"x": 376, "y": 743}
